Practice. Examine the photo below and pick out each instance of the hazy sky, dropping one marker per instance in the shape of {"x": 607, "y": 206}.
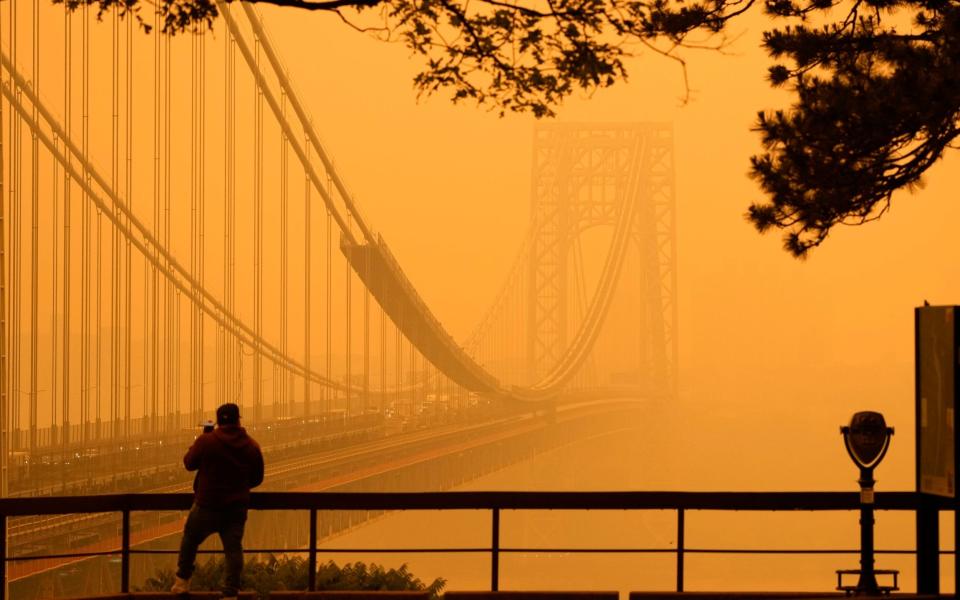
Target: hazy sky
{"x": 776, "y": 349}
{"x": 763, "y": 336}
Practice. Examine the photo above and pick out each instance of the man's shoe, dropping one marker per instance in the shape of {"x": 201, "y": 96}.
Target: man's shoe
{"x": 180, "y": 586}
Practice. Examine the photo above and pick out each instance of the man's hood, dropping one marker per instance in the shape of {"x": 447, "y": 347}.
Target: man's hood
{"x": 232, "y": 435}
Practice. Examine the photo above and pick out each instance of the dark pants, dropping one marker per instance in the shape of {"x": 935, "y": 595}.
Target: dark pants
{"x": 228, "y": 523}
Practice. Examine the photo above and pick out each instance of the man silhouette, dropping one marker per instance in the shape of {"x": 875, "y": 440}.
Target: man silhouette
{"x": 228, "y": 463}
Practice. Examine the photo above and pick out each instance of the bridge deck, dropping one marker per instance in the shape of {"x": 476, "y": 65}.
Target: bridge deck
{"x": 383, "y": 276}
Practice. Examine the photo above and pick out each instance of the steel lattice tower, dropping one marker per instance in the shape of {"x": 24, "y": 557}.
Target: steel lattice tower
{"x": 583, "y": 174}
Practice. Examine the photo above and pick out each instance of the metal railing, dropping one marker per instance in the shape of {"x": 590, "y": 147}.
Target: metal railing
{"x": 926, "y": 507}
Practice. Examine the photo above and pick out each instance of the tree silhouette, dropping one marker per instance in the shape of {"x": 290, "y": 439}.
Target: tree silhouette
{"x": 875, "y": 81}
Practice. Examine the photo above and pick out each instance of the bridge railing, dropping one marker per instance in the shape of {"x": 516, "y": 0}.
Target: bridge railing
{"x": 926, "y": 507}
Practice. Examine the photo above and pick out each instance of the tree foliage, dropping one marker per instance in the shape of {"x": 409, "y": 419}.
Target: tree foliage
{"x": 278, "y": 573}
{"x": 875, "y": 85}
{"x": 877, "y": 99}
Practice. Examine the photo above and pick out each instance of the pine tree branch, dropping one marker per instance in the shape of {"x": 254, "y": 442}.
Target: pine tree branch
{"x": 325, "y": 5}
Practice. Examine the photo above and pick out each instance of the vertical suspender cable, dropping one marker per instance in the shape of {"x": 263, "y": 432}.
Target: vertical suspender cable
{"x": 34, "y": 235}
{"x": 275, "y": 381}
{"x": 164, "y": 339}
{"x": 399, "y": 365}
{"x": 127, "y": 259}
{"x": 173, "y": 392}
{"x": 171, "y": 315}
{"x": 348, "y": 377}
{"x": 233, "y": 356}
{"x": 115, "y": 236}
{"x": 383, "y": 360}
{"x": 518, "y": 312}
{"x": 55, "y": 435}
{"x": 227, "y": 200}
{"x": 154, "y": 276}
{"x": 195, "y": 325}
{"x": 85, "y": 261}
{"x": 202, "y": 200}
{"x": 284, "y": 243}
{"x": 194, "y": 227}
{"x": 221, "y": 371}
{"x": 329, "y": 306}
{"x": 15, "y": 258}
{"x": 4, "y": 379}
{"x": 65, "y": 352}
{"x": 366, "y": 338}
{"x": 176, "y": 344}
{"x": 306, "y": 288}
{"x": 220, "y": 376}
{"x": 413, "y": 378}
{"x": 257, "y": 239}
{"x": 14, "y": 253}
{"x": 98, "y": 329}
{"x": 196, "y": 221}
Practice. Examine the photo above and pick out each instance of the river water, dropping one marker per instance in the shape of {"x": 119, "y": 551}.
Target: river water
{"x": 663, "y": 448}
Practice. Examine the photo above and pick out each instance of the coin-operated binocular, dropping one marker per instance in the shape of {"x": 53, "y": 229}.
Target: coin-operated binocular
{"x": 867, "y": 439}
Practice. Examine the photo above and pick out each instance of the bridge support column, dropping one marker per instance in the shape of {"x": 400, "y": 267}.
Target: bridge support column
{"x": 586, "y": 176}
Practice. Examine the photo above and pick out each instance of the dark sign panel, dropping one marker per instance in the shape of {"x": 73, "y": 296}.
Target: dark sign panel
{"x": 936, "y": 393}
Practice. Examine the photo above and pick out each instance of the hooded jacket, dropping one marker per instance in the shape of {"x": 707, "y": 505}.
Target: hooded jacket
{"x": 229, "y": 463}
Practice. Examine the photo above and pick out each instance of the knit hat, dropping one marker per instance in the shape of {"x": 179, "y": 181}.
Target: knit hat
{"x": 228, "y": 414}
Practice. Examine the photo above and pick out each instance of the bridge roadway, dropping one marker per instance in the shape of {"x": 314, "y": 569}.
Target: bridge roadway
{"x": 136, "y": 461}
{"x": 382, "y": 275}
{"x": 327, "y": 470}
{"x": 284, "y": 447}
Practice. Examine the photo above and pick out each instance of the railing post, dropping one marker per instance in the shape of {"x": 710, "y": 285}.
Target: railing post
{"x": 3, "y": 556}
{"x": 125, "y": 552}
{"x": 680, "y": 530}
{"x": 928, "y": 548}
{"x": 956, "y": 546}
{"x": 312, "y": 560}
{"x": 495, "y": 552}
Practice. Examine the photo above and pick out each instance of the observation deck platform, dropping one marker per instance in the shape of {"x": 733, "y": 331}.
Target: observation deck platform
{"x": 927, "y": 553}
{"x": 506, "y": 595}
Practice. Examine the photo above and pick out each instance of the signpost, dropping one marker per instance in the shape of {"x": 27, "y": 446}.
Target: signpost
{"x": 936, "y": 339}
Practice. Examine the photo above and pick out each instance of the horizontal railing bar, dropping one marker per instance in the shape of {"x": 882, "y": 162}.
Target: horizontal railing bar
{"x": 245, "y": 550}
{"x": 118, "y": 552}
{"x": 538, "y": 550}
{"x": 710, "y": 551}
{"x": 77, "y": 555}
{"x": 735, "y": 501}
{"x": 787, "y": 551}
{"x": 501, "y": 549}
{"x": 487, "y": 550}
{"x": 330, "y": 550}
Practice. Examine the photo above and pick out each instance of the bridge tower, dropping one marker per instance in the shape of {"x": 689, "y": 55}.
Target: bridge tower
{"x": 583, "y": 176}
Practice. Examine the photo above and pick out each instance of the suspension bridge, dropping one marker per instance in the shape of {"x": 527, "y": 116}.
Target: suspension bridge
{"x": 175, "y": 236}
{"x": 118, "y": 317}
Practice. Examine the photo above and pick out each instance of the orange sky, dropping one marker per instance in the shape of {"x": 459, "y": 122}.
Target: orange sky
{"x": 764, "y": 336}
{"x": 773, "y": 348}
